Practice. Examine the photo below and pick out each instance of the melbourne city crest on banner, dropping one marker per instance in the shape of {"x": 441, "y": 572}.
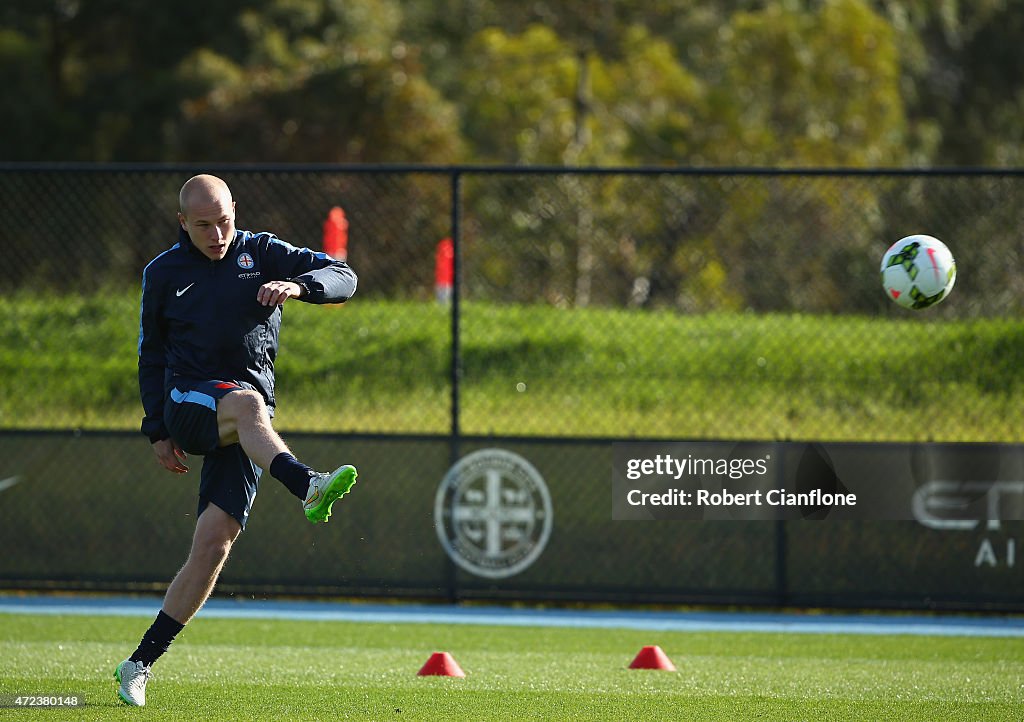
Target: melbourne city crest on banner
{"x": 492, "y": 513}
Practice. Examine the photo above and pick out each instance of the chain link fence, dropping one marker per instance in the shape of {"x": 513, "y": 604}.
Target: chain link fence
{"x": 590, "y": 304}
{"x": 688, "y": 241}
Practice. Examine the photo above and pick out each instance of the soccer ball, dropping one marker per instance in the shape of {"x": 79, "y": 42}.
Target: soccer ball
{"x": 918, "y": 271}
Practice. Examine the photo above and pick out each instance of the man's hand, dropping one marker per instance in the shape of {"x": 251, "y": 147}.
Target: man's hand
{"x": 275, "y": 293}
{"x": 170, "y": 456}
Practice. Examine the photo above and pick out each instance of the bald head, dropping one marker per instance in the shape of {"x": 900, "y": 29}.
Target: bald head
{"x": 202, "y": 190}
{"x": 207, "y": 214}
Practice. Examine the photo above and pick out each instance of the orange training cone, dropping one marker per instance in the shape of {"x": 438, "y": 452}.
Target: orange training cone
{"x": 441, "y": 664}
{"x": 652, "y": 658}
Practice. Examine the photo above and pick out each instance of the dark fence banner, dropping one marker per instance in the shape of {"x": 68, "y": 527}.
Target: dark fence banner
{"x": 933, "y": 527}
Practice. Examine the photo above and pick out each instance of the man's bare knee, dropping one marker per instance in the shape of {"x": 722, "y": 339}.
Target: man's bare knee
{"x": 237, "y": 409}
{"x": 240, "y": 405}
{"x": 243, "y": 418}
{"x": 210, "y": 554}
{"x": 215, "y": 534}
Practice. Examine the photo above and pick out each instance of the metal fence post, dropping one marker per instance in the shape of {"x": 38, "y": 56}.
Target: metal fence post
{"x": 456, "y": 349}
{"x": 781, "y": 538}
{"x": 456, "y": 357}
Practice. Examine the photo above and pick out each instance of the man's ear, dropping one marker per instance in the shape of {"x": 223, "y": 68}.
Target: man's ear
{"x": 183, "y": 222}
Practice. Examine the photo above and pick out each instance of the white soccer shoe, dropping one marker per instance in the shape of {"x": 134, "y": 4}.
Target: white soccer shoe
{"x": 325, "y": 489}
{"x": 132, "y": 677}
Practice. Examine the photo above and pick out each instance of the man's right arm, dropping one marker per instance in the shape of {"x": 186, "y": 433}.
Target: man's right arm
{"x": 152, "y": 361}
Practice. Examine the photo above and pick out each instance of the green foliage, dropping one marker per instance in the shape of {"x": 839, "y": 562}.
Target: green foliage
{"x": 815, "y": 82}
{"x": 31, "y": 110}
{"x": 261, "y": 669}
{"x": 535, "y": 98}
{"x": 518, "y": 95}
{"x": 659, "y": 103}
{"x": 319, "y": 82}
{"x": 811, "y": 88}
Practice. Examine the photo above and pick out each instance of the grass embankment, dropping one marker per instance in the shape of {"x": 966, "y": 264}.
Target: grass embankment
{"x": 378, "y": 366}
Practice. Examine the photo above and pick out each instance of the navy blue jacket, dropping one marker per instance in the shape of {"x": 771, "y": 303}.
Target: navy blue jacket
{"x": 201, "y": 320}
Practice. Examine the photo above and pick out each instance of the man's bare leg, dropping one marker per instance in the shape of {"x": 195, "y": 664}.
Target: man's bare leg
{"x": 242, "y": 418}
{"x": 216, "y": 531}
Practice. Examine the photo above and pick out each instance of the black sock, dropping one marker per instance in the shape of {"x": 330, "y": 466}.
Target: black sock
{"x": 292, "y": 473}
{"x": 157, "y": 639}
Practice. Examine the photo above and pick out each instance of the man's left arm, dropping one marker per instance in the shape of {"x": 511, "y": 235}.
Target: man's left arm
{"x": 320, "y": 278}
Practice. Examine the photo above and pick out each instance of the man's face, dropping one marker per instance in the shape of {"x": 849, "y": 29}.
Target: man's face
{"x": 210, "y": 223}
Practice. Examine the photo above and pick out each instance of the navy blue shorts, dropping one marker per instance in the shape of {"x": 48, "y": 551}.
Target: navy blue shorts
{"x": 229, "y": 479}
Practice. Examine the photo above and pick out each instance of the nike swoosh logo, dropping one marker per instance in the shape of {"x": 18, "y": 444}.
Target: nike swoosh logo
{"x": 181, "y": 291}
{"x": 9, "y": 482}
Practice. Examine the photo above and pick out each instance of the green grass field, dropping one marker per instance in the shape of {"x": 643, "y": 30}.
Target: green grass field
{"x": 281, "y": 670}
{"x": 383, "y": 366}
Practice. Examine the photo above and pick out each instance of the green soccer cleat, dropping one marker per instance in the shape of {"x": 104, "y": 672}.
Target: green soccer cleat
{"x": 325, "y": 489}
{"x": 131, "y": 678}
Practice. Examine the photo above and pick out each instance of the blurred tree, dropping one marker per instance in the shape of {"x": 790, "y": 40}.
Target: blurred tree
{"x": 535, "y": 98}
{"x": 134, "y": 80}
{"x": 818, "y": 87}
{"x": 319, "y": 81}
{"x": 110, "y": 88}
{"x": 517, "y": 96}
{"x": 970, "y": 85}
{"x": 33, "y": 118}
{"x": 954, "y": 59}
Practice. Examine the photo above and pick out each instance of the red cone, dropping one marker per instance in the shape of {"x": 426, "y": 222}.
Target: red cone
{"x": 652, "y": 658}
{"x": 441, "y": 664}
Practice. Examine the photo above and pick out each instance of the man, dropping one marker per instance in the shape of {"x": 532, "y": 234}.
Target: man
{"x": 211, "y": 313}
